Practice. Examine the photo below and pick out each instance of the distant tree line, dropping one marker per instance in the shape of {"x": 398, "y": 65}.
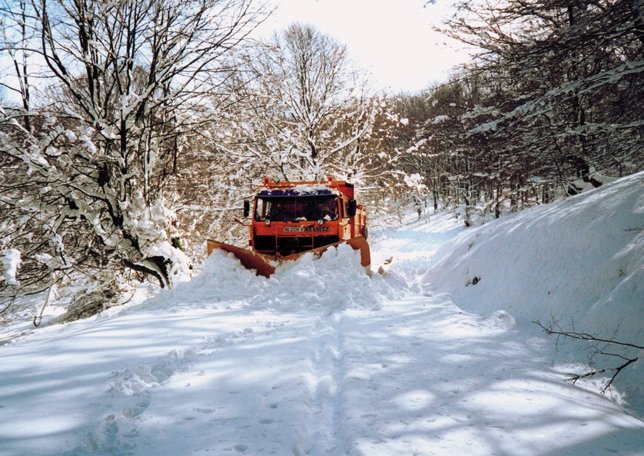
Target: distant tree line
{"x": 552, "y": 104}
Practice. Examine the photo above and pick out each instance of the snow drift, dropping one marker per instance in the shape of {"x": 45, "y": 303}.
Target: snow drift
{"x": 578, "y": 263}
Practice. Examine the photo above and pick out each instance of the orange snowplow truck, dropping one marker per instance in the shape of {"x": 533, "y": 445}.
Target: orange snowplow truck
{"x": 289, "y": 219}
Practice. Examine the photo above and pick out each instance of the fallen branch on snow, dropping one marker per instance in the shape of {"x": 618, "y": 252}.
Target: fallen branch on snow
{"x": 603, "y": 351}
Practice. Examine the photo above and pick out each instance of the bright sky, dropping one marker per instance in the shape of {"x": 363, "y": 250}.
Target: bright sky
{"x": 391, "y": 38}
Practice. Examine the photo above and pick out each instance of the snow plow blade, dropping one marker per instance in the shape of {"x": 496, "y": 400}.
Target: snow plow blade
{"x": 249, "y": 259}
{"x": 261, "y": 263}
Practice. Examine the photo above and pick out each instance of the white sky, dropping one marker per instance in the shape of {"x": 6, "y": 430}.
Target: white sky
{"x": 392, "y": 39}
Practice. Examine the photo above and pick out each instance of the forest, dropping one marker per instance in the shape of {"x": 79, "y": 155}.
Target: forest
{"x": 133, "y": 130}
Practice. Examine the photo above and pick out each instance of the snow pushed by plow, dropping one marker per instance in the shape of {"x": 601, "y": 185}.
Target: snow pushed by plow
{"x": 323, "y": 358}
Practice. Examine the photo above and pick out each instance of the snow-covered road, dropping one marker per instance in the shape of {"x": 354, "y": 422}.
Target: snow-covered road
{"x": 322, "y": 359}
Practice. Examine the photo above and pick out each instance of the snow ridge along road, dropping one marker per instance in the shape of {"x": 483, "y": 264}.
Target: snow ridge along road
{"x": 320, "y": 359}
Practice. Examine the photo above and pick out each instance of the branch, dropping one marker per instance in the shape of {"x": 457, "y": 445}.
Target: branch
{"x": 590, "y": 338}
{"x": 574, "y": 377}
{"x": 584, "y": 336}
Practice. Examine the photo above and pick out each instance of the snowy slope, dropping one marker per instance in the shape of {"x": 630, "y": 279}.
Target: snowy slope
{"x": 578, "y": 262}
{"x": 322, "y": 359}
{"x": 580, "y": 258}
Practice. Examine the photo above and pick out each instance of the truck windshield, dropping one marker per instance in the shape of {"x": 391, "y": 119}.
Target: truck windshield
{"x": 298, "y": 208}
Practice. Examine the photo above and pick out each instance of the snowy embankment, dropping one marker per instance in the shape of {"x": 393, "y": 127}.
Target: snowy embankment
{"x": 577, "y": 264}
{"x": 323, "y": 359}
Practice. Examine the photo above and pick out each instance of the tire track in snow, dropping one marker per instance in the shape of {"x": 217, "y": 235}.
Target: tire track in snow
{"x": 324, "y": 430}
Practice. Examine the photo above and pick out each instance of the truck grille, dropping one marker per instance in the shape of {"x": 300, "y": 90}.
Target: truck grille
{"x": 284, "y": 245}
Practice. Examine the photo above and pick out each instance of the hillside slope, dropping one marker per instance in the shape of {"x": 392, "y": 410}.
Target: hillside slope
{"x": 577, "y": 262}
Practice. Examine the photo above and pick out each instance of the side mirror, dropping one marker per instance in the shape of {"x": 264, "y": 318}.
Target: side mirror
{"x": 351, "y": 208}
{"x": 246, "y": 208}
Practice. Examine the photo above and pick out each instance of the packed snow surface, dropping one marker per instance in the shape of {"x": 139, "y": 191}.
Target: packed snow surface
{"x": 415, "y": 358}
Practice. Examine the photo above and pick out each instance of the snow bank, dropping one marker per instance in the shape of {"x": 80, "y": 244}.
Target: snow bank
{"x": 577, "y": 262}
{"x": 331, "y": 282}
{"x": 335, "y": 281}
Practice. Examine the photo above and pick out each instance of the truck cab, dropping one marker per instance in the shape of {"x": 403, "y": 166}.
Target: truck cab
{"x": 294, "y": 217}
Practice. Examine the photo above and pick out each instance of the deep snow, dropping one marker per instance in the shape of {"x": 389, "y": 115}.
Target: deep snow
{"x": 324, "y": 359}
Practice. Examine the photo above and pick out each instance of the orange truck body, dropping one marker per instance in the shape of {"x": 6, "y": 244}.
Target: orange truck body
{"x": 292, "y": 218}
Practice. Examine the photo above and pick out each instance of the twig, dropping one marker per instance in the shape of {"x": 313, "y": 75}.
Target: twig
{"x": 598, "y": 351}
{"x": 585, "y": 336}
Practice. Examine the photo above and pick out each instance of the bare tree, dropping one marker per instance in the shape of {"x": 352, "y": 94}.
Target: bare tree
{"x": 307, "y": 108}
{"x": 571, "y": 86}
{"x": 15, "y": 41}
{"x": 129, "y": 83}
{"x": 551, "y": 103}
